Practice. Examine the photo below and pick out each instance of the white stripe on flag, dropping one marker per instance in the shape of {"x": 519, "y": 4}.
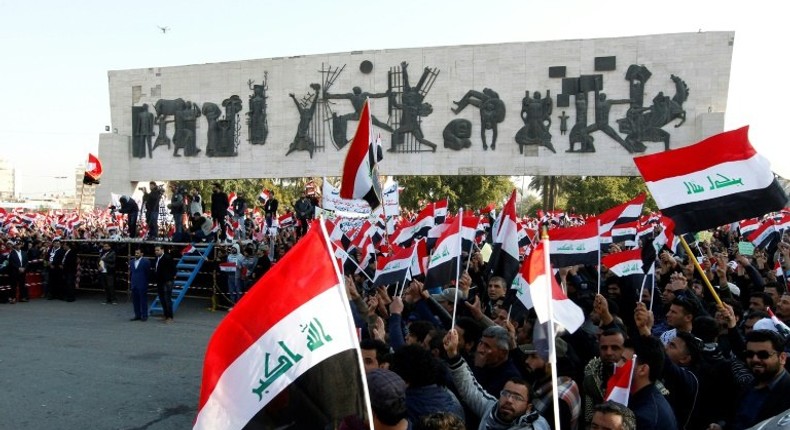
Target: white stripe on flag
{"x": 292, "y": 346}
{"x": 716, "y": 181}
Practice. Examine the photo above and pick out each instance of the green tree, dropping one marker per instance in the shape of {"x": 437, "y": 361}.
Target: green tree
{"x": 595, "y": 194}
{"x": 551, "y": 189}
{"x": 469, "y": 192}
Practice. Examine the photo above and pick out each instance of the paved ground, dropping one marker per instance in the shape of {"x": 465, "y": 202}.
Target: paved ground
{"x": 84, "y": 365}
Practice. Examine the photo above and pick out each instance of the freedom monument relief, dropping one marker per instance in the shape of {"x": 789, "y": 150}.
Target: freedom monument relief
{"x": 570, "y": 107}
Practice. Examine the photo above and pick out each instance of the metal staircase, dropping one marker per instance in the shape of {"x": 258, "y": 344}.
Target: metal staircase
{"x": 187, "y": 270}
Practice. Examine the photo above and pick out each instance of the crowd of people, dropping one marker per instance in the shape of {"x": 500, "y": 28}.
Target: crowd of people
{"x": 698, "y": 363}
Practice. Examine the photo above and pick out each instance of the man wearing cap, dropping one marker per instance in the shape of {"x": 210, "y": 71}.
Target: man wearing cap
{"x": 388, "y": 400}
{"x": 540, "y": 372}
{"x": 512, "y": 410}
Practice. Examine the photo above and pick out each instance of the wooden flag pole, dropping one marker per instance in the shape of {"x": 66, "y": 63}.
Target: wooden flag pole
{"x": 700, "y": 271}
{"x": 82, "y": 193}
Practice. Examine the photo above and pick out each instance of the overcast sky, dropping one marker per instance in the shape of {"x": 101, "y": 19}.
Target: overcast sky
{"x": 55, "y": 55}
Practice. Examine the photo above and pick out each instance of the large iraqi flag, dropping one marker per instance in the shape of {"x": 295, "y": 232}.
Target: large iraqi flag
{"x": 279, "y": 357}
{"x": 360, "y": 176}
{"x": 719, "y": 180}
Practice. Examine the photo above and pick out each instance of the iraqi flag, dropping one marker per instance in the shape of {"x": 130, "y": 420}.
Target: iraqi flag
{"x": 618, "y": 388}
{"x": 624, "y": 263}
{"x": 282, "y": 368}
{"x": 748, "y": 225}
{"x": 625, "y": 233}
{"x": 620, "y": 214}
{"x": 93, "y": 171}
{"x": 445, "y": 261}
{"x": 574, "y": 245}
{"x": 264, "y": 196}
{"x": 286, "y": 220}
{"x": 396, "y": 268}
{"x": 540, "y": 280}
{"x": 360, "y": 177}
{"x": 439, "y": 211}
{"x": 717, "y": 181}
{"x": 504, "y": 259}
{"x": 764, "y": 235}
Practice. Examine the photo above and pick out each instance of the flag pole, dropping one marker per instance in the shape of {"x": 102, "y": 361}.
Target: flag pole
{"x": 552, "y": 347}
{"x": 598, "y": 231}
{"x": 700, "y": 271}
{"x": 653, "y": 289}
{"x": 352, "y": 327}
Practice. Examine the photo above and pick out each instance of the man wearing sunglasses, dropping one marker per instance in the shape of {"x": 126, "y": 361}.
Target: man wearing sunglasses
{"x": 770, "y": 394}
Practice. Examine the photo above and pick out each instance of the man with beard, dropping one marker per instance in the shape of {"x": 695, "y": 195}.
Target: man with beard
{"x": 783, "y": 308}
{"x": 598, "y": 370}
{"x": 770, "y": 394}
{"x": 512, "y": 410}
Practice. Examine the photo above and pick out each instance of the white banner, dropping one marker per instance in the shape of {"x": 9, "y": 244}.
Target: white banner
{"x": 391, "y": 198}
{"x": 331, "y": 201}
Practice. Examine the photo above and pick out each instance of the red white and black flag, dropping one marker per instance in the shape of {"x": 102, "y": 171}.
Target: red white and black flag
{"x": 717, "y": 181}
{"x": 574, "y": 245}
{"x": 504, "y": 259}
{"x": 93, "y": 170}
{"x": 281, "y": 368}
{"x": 360, "y": 176}
{"x": 445, "y": 261}
{"x": 625, "y": 263}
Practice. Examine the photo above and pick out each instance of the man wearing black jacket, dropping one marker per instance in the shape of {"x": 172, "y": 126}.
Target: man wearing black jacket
{"x": 219, "y": 208}
{"x": 164, "y": 273}
{"x": 17, "y": 268}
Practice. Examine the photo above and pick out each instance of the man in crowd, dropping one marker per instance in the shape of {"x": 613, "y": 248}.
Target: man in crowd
{"x": 17, "y": 271}
{"x": 219, "y": 208}
{"x": 599, "y": 369}
{"x": 130, "y": 208}
{"x": 304, "y": 213}
{"x": 770, "y": 394}
{"x": 151, "y": 198}
{"x": 513, "y": 410}
{"x": 139, "y": 269}
{"x": 164, "y": 274}
{"x": 612, "y": 416}
{"x": 270, "y": 209}
{"x": 107, "y": 273}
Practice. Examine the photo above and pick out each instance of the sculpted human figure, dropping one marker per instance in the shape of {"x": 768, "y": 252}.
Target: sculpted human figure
{"x": 258, "y": 126}
{"x": 412, "y": 108}
{"x": 357, "y": 98}
{"x": 536, "y": 114}
{"x": 302, "y": 141}
{"x": 145, "y": 129}
{"x": 492, "y": 111}
{"x": 602, "y": 108}
{"x": 184, "y": 136}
